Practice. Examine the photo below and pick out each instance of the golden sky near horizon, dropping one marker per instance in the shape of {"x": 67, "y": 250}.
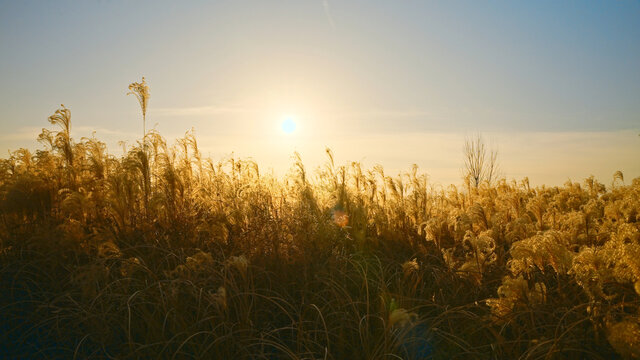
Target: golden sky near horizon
{"x": 554, "y": 87}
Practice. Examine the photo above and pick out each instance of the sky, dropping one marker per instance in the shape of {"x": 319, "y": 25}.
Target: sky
{"x": 553, "y": 86}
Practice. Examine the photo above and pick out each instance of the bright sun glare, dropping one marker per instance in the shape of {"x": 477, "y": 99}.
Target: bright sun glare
{"x": 288, "y": 126}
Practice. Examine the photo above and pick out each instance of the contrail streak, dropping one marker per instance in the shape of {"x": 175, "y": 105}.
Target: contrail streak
{"x": 327, "y": 11}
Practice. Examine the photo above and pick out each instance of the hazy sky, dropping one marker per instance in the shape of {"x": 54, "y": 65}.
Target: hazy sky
{"x": 555, "y": 86}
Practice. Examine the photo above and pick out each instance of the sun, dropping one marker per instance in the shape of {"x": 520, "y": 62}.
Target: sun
{"x": 288, "y": 125}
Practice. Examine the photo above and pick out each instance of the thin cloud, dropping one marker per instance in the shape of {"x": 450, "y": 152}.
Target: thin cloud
{"x": 200, "y": 110}
{"x": 89, "y": 130}
{"x": 23, "y": 133}
{"x": 387, "y": 114}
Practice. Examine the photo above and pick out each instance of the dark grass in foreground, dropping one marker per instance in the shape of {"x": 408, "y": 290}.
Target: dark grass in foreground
{"x": 163, "y": 254}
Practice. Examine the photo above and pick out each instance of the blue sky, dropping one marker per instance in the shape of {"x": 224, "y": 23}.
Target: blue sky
{"x": 390, "y": 82}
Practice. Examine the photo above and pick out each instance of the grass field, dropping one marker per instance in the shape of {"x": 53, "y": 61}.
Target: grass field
{"x": 164, "y": 254}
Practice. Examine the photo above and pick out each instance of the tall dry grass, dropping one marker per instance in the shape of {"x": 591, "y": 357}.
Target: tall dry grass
{"x": 163, "y": 253}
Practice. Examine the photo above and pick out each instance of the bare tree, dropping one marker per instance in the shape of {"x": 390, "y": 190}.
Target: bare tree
{"x": 478, "y": 165}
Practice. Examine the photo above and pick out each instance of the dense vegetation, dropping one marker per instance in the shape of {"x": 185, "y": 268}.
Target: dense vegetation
{"x": 161, "y": 253}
